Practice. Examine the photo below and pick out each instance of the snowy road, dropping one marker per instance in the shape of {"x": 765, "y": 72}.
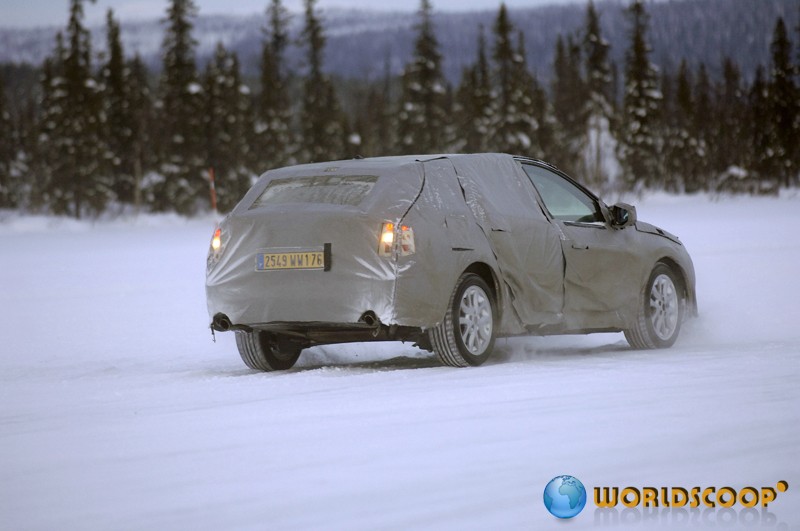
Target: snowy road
{"x": 118, "y": 412}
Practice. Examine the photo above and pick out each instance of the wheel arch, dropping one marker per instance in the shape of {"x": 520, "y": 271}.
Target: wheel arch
{"x": 488, "y": 275}
{"x": 683, "y": 278}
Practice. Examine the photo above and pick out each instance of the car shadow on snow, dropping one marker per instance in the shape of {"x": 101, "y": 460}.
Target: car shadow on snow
{"x": 331, "y": 365}
{"x": 358, "y": 359}
{"x": 397, "y": 363}
{"x": 557, "y": 348}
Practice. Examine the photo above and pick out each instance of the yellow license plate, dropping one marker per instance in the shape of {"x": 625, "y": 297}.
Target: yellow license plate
{"x": 290, "y": 260}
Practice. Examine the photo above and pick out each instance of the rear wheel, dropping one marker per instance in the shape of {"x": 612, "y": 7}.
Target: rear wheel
{"x": 660, "y": 312}
{"x": 466, "y": 335}
{"x": 263, "y": 351}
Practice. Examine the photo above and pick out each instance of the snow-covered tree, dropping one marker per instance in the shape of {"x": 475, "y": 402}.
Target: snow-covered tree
{"x": 71, "y": 125}
{"x": 600, "y": 164}
{"x": 321, "y": 116}
{"x": 520, "y": 112}
{"x": 47, "y": 127}
{"x": 684, "y": 152}
{"x": 184, "y": 186}
{"x": 274, "y": 142}
{"x": 423, "y": 113}
{"x": 597, "y": 66}
{"x": 473, "y": 107}
{"x": 118, "y": 130}
{"x": 533, "y": 103}
{"x": 226, "y": 126}
{"x": 144, "y": 158}
{"x": 639, "y": 142}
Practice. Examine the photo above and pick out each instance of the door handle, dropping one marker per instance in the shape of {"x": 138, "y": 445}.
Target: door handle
{"x": 580, "y": 246}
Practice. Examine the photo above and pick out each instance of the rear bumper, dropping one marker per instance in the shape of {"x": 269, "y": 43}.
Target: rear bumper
{"x": 259, "y": 299}
{"x": 311, "y": 333}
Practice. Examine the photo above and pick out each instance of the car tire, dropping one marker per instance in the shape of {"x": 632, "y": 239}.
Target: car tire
{"x": 466, "y": 335}
{"x": 263, "y": 352}
{"x": 660, "y": 313}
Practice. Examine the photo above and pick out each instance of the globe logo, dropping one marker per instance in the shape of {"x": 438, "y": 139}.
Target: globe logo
{"x": 564, "y": 496}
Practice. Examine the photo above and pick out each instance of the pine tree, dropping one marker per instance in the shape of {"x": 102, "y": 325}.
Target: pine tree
{"x": 599, "y": 158}
{"x": 729, "y": 145}
{"x": 783, "y": 95}
{"x": 47, "y": 147}
{"x": 760, "y": 130}
{"x": 72, "y": 126}
{"x": 273, "y": 126}
{"x": 796, "y": 160}
{"x": 569, "y": 104}
{"x": 7, "y": 152}
{"x": 639, "y": 146}
{"x": 520, "y": 114}
{"x": 503, "y": 56}
{"x": 23, "y": 135}
{"x": 374, "y": 124}
{"x": 144, "y": 158}
{"x": 535, "y": 116}
{"x": 321, "y": 116}
{"x": 383, "y": 124}
{"x": 503, "y": 61}
{"x": 702, "y": 128}
{"x": 118, "y": 118}
{"x": 184, "y": 187}
{"x": 225, "y": 123}
{"x": 474, "y": 103}
{"x": 423, "y": 115}
{"x": 683, "y": 152}
{"x": 672, "y": 178}
{"x": 569, "y": 94}
{"x": 464, "y": 113}
{"x": 597, "y": 66}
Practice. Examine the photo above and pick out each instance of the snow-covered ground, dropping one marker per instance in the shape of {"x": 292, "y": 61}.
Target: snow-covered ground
{"x": 117, "y": 411}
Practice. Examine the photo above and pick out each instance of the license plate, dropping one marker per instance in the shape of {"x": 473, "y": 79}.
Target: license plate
{"x": 301, "y": 259}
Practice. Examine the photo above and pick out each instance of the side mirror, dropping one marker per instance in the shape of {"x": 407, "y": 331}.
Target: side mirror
{"x": 622, "y": 215}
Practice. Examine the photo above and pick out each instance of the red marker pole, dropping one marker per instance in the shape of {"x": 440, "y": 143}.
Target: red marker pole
{"x": 212, "y": 189}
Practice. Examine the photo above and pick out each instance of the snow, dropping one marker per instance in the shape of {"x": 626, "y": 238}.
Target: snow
{"x": 599, "y": 153}
{"x": 194, "y": 88}
{"x": 117, "y": 411}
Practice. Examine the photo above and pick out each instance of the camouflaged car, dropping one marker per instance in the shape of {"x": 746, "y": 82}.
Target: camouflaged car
{"x": 447, "y": 251}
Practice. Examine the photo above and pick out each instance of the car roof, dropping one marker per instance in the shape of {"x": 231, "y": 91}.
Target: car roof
{"x": 400, "y": 160}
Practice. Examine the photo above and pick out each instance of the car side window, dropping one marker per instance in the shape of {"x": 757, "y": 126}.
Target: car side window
{"x": 564, "y": 200}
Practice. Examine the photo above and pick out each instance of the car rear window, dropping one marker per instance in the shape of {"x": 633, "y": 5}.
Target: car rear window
{"x": 329, "y": 189}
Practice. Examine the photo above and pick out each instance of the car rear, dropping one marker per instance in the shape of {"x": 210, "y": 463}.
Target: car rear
{"x": 313, "y": 246}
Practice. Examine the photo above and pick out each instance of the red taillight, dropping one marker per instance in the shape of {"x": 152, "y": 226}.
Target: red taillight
{"x": 407, "y": 244}
{"x": 403, "y": 235}
{"x": 216, "y": 241}
{"x": 217, "y": 248}
{"x": 387, "y": 239}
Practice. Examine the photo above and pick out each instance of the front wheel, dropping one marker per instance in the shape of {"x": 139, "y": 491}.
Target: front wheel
{"x": 660, "y": 313}
{"x": 465, "y": 337}
{"x": 263, "y": 351}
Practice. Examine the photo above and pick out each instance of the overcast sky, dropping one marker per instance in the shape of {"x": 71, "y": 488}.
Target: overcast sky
{"x": 31, "y": 13}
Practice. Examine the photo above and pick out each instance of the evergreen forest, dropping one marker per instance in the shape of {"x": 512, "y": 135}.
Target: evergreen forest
{"x": 100, "y": 131}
